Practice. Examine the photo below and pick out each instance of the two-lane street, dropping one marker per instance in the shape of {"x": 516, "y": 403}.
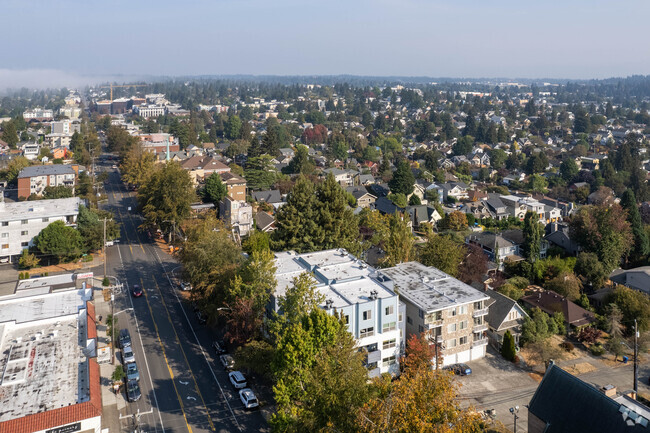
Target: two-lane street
{"x": 184, "y": 387}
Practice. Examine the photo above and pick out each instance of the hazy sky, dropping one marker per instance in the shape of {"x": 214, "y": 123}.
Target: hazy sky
{"x": 454, "y": 38}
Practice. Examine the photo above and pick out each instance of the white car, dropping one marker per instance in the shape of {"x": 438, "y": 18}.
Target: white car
{"x": 127, "y": 355}
{"x": 237, "y": 379}
{"x": 248, "y": 398}
{"x": 227, "y": 361}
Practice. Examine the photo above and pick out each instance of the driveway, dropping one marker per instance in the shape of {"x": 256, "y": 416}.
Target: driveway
{"x": 497, "y": 384}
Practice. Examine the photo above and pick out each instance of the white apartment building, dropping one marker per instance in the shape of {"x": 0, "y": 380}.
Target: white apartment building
{"x": 147, "y": 111}
{"x": 38, "y": 114}
{"x": 21, "y": 222}
{"x": 451, "y": 313}
{"x": 49, "y": 377}
{"x": 65, "y": 127}
{"x": 71, "y": 112}
{"x": 350, "y": 287}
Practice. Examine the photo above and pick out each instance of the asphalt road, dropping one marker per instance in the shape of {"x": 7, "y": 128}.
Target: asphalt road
{"x": 184, "y": 388}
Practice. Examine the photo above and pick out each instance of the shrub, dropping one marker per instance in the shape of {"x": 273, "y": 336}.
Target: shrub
{"x": 568, "y": 346}
{"x": 106, "y": 282}
{"x": 597, "y": 350}
{"x": 118, "y": 374}
{"x": 589, "y": 334}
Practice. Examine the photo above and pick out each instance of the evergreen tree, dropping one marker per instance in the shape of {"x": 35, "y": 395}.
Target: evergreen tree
{"x": 641, "y": 243}
{"x": 569, "y": 169}
{"x": 532, "y": 236}
{"x": 403, "y": 180}
{"x": 233, "y": 127}
{"x": 340, "y": 228}
{"x": 297, "y": 220}
{"x": 9, "y": 133}
{"x": 215, "y": 190}
{"x": 508, "y": 347}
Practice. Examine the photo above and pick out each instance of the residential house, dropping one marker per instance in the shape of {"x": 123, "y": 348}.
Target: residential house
{"x": 519, "y": 205}
{"x": 372, "y": 311}
{"x": 557, "y": 234}
{"x": 363, "y": 197}
{"x": 235, "y": 184}
{"x": 636, "y": 278}
{"x": 345, "y": 178}
{"x": 478, "y": 209}
{"x": 265, "y": 222}
{"x": 201, "y": 167}
{"x": 498, "y": 210}
{"x": 365, "y": 179}
{"x": 34, "y": 179}
{"x": 423, "y": 214}
{"x": 551, "y": 302}
{"x": 514, "y": 177}
{"x": 457, "y": 190}
{"x": 386, "y": 207}
{"x": 379, "y": 189}
{"x": 272, "y": 197}
{"x": 504, "y": 315}
{"x": 447, "y": 164}
{"x": 451, "y": 313}
{"x": 563, "y": 403}
{"x": 479, "y": 159}
{"x": 476, "y": 195}
{"x": 439, "y": 189}
{"x": 237, "y": 214}
{"x": 31, "y": 151}
{"x": 497, "y": 248}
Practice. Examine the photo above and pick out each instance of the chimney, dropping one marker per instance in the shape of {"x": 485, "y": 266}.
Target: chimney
{"x": 609, "y": 390}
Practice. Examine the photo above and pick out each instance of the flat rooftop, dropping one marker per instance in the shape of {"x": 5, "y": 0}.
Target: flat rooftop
{"x": 45, "y": 170}
{"x": 340, "y": 277}
{"x": 42, "y": 361}
{"x": 429, "y": 288}
{"x": 39, "y": 208}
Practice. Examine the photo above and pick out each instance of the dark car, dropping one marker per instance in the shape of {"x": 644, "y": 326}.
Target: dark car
{"x": 125, "y": 338}
{"x": 136, "y": 291}
{"x": 133, "y": 392}
{"x": 459, "y": 369}
{"x": 219, "y": 347}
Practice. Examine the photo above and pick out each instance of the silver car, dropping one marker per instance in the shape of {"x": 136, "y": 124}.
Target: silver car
{"x": 127, "y": 355}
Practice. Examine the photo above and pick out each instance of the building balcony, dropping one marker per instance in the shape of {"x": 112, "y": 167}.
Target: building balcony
{"x": 479, "y": 313}
{"x": 481, "y": 342}
{"x": 374, "y": 356}
{"x": 480, "y": 328}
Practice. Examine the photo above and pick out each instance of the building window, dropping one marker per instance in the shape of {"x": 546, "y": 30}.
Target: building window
{"x": 451, "y": 327}
{"x": 371, "y": 347}
{"x": 5, "y": 223}
{"x": 387, "y": 362}
{"x": 24, "y": 233}
{"x": 389, "y": 327}
{"x": 421, "y": 313}
{"x": 5, "y": 235}
{"x": 451, "y": 343}
{"x": 389, "y": 310}
{"x": 24, "y": 244}
{"x": 5, "y": 246}
{"x": 453, "y": 311}
{"x": 24, "y": 222}
{"x": 409, "y": 320}
{"x": 346, "y": 319}
{"x": 463, "y": 324}
{"x": 46, "y": 219}
{"x": 478, "y": 305}
{"x": 463, "y": 309}
{"x": 462, "y": 340}
{"x": 367, "y": 332}
{"x": 389, "y": 344}
{"x": 420, "y": 329}
{"x": 367, "y": 315}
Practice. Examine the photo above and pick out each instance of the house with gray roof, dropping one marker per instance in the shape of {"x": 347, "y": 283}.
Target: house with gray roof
{"x": 363, "y": 197}
{"x": 271, "y": 196}
{"x": 504, "y": 315}
{"x": 34, "y": 179}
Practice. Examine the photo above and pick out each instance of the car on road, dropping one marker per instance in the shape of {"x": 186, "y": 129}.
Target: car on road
{"x": 136, "y": 291}
{"x": 201, "y": 317}
{"x": 127, "y": 355}
{"x": 133, "y": 392}
{"x": 248, "y": 398}
{"x": 125, "y": 338}
{"x": 132, "y": 372}
{"x": 219, "y": 347}
{"x": 237, "y": 379}
{"x": 227, "y": 361}
{"x": 114, "y": 166}
{"x": 185, "y": 286}
{"x": 459, "y": 369}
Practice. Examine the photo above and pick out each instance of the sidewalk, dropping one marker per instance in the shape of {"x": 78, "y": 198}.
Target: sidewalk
{"x": 112, "y": 403}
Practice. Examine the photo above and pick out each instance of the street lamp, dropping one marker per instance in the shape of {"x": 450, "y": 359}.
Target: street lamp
{"x": 514, "y": 411}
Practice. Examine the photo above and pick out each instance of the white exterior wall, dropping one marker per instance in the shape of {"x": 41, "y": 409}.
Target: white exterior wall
{"x": 16, "y": 236}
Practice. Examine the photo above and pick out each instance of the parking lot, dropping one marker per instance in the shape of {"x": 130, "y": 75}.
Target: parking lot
{"x": 498, "y": 385}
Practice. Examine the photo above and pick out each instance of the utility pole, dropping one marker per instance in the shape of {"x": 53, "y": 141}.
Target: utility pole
{"x": 104, "y": 248}
{"x": 636, "y": 358}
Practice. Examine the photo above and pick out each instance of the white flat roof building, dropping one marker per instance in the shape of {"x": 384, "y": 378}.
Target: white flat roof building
{"x": 350, "y": 287}
{"x": 48, "y": 377}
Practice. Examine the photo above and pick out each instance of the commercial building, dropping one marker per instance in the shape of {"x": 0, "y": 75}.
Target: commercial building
{"x": 159, "y": 142}
{"x": 49, "y": 377}
{"x": 21, "y": 222}
{"x": 350, "y": 287}
{"x": 451, "y": 313}
{"x": 34, "y": 179}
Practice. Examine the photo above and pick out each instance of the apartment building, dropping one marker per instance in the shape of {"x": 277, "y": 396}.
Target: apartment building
{"x": 66, "y": 127}
{"x": 372, "y": 311}
{"x": 451, "y": 313}
{"x": 148, "y": 111}
{"x": 21, "y": 222}
{"x": 237, "y": 214}
{"x": 235, "y": 184}
{"x": 34, "y": 179}
{"x": 38, "y": 115}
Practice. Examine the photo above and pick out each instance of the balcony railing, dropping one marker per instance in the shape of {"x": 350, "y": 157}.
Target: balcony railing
{"x": 481, "y": 342}
{"x": 479, "y": 313}
{"x": 480, "y": 328}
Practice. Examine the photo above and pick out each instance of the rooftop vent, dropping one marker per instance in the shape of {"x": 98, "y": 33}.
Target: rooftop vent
{"x": 373, "y": 294}
{"x": 328, "y": 304}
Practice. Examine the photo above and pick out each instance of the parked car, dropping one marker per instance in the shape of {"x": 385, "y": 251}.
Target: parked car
{"x": 127, "y": 355}
{"x": 219, "y": 347}
{"x": 237, "y": 379}
{"x": 459, "y": 369}
{"x": 136, "y": 291}
{"x": 125, "y": 338}
{"x": 132, "y": 372}
{"x": 133, "y": 390}
{"x": 227, "y": 361}
{"x": 248, "y": 398}
{"x": 185, "y": 286}
{"x": 201, "y": 318}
